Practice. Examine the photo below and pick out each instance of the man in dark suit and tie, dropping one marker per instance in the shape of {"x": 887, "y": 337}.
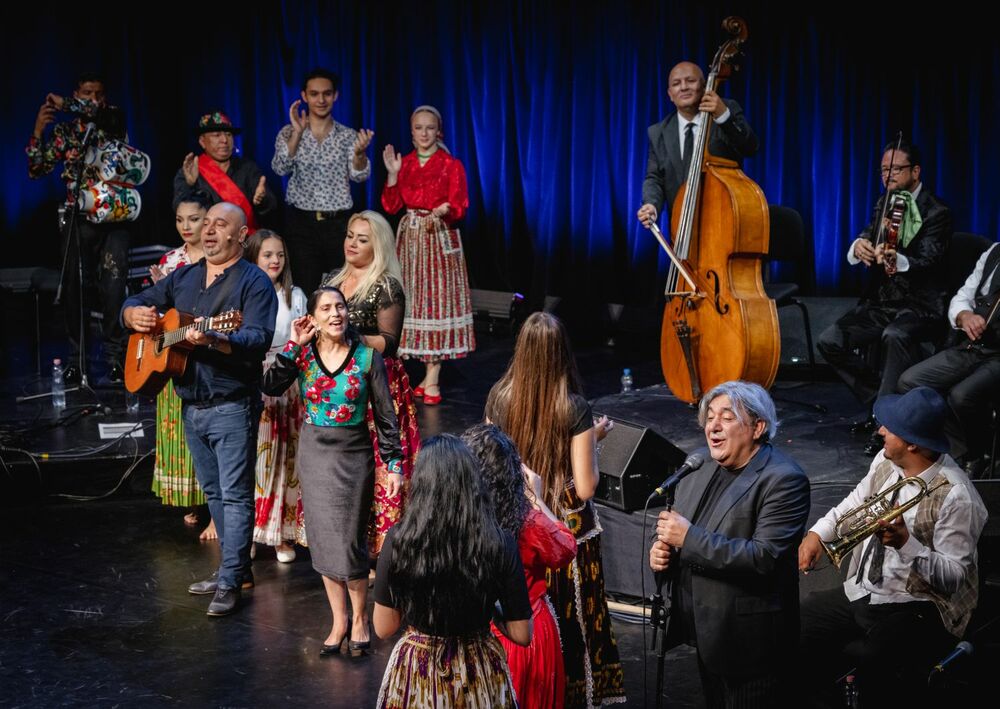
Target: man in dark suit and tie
{"x": 896, "y": 312}
{"x": 671, "y": 141}
{"x": 729, "y": 547}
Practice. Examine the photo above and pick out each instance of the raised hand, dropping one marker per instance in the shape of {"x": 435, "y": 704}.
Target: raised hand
{"x": 298, "y": 116}
{"x": 393, "y": 161}
{"x": 303, "y": 330}
{"x": 156, "y": 274}
{"x": 190, "y": 169}
{"x": 363, "y": 140}
{"x": 46, "y": 115}
{"x": 261, "y": 192}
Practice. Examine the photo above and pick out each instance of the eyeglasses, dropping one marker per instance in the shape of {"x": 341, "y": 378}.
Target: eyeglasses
{"x": 896, "y": 169}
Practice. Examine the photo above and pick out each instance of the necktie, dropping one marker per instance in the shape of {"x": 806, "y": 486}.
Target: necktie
{"x": 688, "y": 148}
{"x": 875, "y": 551}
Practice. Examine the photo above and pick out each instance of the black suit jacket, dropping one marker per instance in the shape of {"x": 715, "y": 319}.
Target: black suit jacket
{"x": 733, "y": 139}
{"x": 744, "y": 566}
{"x": 924, "y": 287}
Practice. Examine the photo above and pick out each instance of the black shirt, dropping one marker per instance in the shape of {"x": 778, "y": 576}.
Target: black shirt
{"x": 467, "y": 617}
{"x": 242, "y": 286}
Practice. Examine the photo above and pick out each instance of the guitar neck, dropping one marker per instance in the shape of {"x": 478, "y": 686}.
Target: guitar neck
{"x": 172, "y": 337}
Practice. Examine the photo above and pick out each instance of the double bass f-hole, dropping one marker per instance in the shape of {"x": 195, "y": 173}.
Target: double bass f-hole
{"x": 720, "y": 307}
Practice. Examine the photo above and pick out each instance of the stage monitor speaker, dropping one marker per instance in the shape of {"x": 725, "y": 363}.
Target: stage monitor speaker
{"x": 633, "y": 460}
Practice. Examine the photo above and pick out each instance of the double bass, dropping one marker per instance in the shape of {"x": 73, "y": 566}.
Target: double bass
{"x": 718, "y": 323}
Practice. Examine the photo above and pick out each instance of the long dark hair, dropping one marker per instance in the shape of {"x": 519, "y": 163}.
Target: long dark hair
{"x": 448, "y": 544}
{"x": 532, "y": 403}
{"x": 501, "y": 469}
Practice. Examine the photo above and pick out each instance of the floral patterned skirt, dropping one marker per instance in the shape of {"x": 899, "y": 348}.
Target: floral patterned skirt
{"x": 277, "y": 496}
{"x": 387, "y": 511}
{"x": 593, "y": 669}
{"x": 438, "y": 323}
{"x": 443, "y": 672}
{"x": 173, "y": 472}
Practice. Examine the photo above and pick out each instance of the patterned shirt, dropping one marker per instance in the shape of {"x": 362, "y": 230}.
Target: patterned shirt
{"x": 319, "y": 170}
{"x": 65, "y": 143}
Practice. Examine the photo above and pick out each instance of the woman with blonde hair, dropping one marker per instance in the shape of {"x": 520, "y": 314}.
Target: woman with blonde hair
{"x": 539, "y": 403}
{"x": 372, "y": 281}
{"x": 430, "y": 183}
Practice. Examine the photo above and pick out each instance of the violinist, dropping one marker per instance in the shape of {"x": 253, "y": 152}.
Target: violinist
{"x": 671, "y": 141}
{"x": 904, "y": 302}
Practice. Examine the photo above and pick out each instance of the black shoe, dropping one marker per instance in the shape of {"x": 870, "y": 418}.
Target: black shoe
{"x": 116, "y": 375}
{"x": 211, "y": 585}
{"x": 359, "y": 648}
{"x": 865, "y": 426}
{"x": 330, "y": 650}
{"x": 874, "y": 444}
{"x": 71, "y": 375}
{"x": 224, "y": 602}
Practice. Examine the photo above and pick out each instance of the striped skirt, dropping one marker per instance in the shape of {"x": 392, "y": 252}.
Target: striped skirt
{"x": 427, "y": 671}
{"x": 173, "y": 472}
{"x": 438, "y": 323}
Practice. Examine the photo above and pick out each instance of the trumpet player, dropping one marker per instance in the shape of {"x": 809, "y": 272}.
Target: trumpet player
{"x": 911, "y": 584}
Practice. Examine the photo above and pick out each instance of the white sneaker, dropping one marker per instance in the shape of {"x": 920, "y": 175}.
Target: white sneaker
{"x": 286, "y": 555}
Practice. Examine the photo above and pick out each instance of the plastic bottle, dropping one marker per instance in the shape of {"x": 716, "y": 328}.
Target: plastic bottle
{"x": 626, "y": 380}
{"x": 850, "y": 693}
{"x": 58, "y": 387}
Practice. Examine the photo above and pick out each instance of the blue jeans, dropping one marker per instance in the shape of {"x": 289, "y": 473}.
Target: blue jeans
{"x": 223, "y": 444}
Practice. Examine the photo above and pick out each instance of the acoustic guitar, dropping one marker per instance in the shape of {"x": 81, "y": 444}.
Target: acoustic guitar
{"x": 156, "y": 356}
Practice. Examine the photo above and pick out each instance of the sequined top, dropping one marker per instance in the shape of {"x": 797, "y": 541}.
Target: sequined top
{"x": 381, "y": 313}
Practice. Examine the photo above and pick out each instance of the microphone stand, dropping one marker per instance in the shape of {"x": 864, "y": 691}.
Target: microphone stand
{"x": 660, "y": 613}
{"x": 73, "y": 236}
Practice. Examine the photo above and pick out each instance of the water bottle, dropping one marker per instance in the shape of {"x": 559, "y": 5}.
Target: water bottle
{"x": 626, "y": 380}
{"x": 58, "y": 388}
{"x": 850, "y": 693}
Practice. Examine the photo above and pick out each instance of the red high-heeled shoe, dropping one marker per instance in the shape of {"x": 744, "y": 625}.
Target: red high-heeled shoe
{"x": 418, "y": 392}
{"x": 432, "y": 399}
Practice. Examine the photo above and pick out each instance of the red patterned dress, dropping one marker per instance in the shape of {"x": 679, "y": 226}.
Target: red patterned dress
{"x": 380, "y": 312}
{"x": 537, "y": 671}
{"x": 438, "y": 321}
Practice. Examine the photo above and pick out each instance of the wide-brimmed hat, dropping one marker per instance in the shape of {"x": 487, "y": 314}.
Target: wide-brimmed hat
{"x": 216, "y": 121}
{"x": 917, "y": 417}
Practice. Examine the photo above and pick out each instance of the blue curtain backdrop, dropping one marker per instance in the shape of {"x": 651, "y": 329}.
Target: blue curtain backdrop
{"x": 546, "y": 106}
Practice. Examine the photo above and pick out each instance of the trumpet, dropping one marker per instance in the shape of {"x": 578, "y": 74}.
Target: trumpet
{"x": 856, "y": 526}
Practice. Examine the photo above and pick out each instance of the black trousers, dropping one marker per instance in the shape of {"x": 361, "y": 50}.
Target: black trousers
{"x": 898, "y": 334}
{"x": 315, "y": 245}
{"x": 970, "y": 380}
{"x": 104, "y": 248}
{"x": 892, "y": 645}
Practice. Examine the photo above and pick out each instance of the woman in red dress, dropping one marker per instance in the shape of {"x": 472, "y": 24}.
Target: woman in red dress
{"x": 543, "y": 541}
{"x": 431, "y": 184}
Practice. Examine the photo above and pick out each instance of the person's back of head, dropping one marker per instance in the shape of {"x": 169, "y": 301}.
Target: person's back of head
{"x": 446, "y": 548}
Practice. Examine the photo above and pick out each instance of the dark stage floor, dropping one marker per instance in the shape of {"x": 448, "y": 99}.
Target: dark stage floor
{"x": 93, "y": 603}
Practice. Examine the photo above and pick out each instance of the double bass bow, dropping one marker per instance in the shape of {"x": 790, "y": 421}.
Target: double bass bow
{"x": 718, "y": 323}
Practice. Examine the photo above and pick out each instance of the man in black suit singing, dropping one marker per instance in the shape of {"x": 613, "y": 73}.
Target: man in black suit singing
{"x": 897, "y": 312}
{"x": 729, "y": 546}
{"x": 671, "y": 141}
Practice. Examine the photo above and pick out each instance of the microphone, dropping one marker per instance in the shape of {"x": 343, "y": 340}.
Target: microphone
{"x": 693, "y": 462}
{"x": 963, "y": 648}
